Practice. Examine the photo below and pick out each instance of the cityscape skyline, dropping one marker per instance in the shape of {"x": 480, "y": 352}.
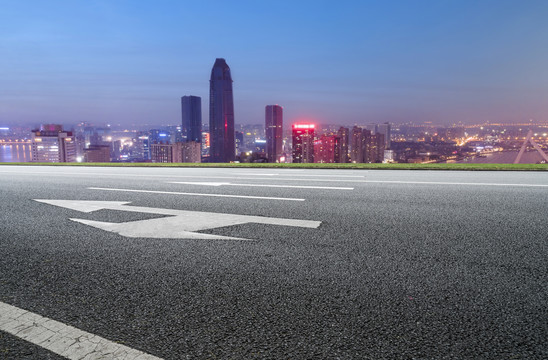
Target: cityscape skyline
{"x": 366, "y": 62}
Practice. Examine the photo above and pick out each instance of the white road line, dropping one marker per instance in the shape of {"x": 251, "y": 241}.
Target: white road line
{"x": 129, "y": 175}
{"x": 197, "y": 194}
{"x": 262, "y": 185}
{"x": 316, "y": 175}
{"x": 65, "y": 340}
{"x": 451, "y": 183}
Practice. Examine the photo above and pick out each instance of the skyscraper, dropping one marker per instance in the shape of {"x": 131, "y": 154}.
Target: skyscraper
{"x": 191, "y": 107}
{"x": 221, "y": 113}
{"x": 385, "y": 130}
{"x": 366, "y": 147}
{"x": 274, "y": 136}
{"x": 342, "y": 150}
{"x": 303, "y": 143}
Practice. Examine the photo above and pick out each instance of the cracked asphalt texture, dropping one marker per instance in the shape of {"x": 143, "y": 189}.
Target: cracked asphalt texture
{"x": 395, "y": 271}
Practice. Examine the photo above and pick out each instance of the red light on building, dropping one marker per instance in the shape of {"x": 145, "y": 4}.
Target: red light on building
{"x": 304, "y": 126}
{"x": 303, "y": 143}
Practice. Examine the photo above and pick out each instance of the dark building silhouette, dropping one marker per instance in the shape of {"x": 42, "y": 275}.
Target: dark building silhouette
{"x": 358, "y": 144}
{"x": 375, "y": 148}
{"x": 191, "y": 107}
{"x": 221, "y": 114}
{"x": 342, "y": 146}
{"x": 97, "y": 154}
{"x": 366, "y": 147}
{"x": 303, "y": 143}
{"x": 274, "y": 135}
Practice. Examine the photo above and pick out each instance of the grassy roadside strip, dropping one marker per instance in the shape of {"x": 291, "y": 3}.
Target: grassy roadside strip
{"x": 466, "y": 167}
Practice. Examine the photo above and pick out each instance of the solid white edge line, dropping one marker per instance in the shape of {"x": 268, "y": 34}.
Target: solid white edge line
{"x": 64, "y": 340}
{"x": 450, "y": 183}
{"x": 52, "y": 173}
{"x": 197, "y": 194}
{"x": 272, "y": 178}
{"x": 266, "y": 185}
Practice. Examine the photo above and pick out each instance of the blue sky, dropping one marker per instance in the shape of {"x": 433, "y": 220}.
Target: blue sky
{"x": 333, "y": 62}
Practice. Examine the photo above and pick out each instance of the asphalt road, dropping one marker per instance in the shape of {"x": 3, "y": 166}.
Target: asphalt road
{"x": 405, "y": 264}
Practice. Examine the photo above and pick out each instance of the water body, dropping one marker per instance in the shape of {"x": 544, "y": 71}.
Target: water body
{"x": 15, "y": 153}
{"x": 506, "y": 157}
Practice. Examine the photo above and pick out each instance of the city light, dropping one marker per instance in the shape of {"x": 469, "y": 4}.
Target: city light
{"x": 304, "y": 126}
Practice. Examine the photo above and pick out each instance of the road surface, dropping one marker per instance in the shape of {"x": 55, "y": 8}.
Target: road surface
{"x": 196, "y": 263}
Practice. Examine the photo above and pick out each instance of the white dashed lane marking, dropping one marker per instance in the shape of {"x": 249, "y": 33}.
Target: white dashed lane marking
{"x": 262, "y": 185}
{"x": 64, "y": 340}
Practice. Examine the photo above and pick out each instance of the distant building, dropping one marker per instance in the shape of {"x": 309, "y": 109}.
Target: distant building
{"x": 274, "y": 132}
{"x": 358, "y": 144}
{"x": 206, "y": 144}
{"x": 157, "y": 136}
{"x": 260, "y": 146}
{"x": 326, "y": 149}
{"x": 366, "y": 147}
{"x": 176, "y": 153}
{"x": 371, "y": 127}
{"x": 221, "y": 114}
{"x": 191, "y": 107}
{"x": 375, "y": 148}
{"x": 384, "y": 129}
{"x": 389, "y": 156}
{"x": 342, "y": 146}
{"x": 239, "y": 141}
{"x": 303, "y": 143}
{"x": 115, "y": 150}
{"x": 51, "y": 143}
{"x": 192, "y": 152}
{"x": 97, "y": 153}
{"x": 166, "y": 153}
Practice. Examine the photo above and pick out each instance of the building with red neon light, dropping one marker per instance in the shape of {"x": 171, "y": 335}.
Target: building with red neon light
{"x": 303, "y": 143}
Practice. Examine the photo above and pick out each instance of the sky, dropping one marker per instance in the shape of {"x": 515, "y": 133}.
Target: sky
{"x": 339, "y": 62}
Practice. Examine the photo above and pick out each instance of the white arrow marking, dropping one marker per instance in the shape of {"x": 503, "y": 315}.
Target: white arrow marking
{"x": 181, "y": 224}
{"x": 262, "y": 185}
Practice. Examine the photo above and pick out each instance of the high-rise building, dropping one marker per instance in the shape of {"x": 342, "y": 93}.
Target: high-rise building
{"x": 191, "y": 107}
{"x": 366, "y": 147}
{"x": 385, "y": 130}
{"x": 342, "y": 146}
{"x": 274, "y": 135}
{"x": 375, "y": 148}
{"x": 326, "y": 149}
{"x": 303, "y": 143}
{"x": 221, "y": 113}
{"x": 358, "y": 144}
{"x": 51, "y": 143}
